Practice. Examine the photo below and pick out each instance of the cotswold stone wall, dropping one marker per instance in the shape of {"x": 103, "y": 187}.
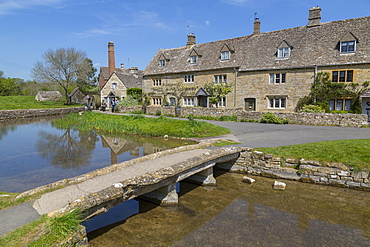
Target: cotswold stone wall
{"x": 26, "y": 113}
{"x": 334, "y": 174}
{"x": 333, "y": 119}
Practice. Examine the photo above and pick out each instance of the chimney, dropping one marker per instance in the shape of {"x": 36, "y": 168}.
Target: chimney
{"x": 191, "y": 40}
{"x": 111, "y": 62}
{"x": 257, "y": 26}
{"x": 134, "y": 71}
{"x": 314, "y": 18}
{"x": 122, "y": 65}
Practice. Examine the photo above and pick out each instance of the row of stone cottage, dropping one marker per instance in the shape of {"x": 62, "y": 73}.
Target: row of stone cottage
{"x": 268, "y": 71}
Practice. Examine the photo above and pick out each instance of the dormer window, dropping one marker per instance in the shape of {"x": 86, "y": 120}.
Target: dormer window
{"x": 162, "y": 63}
{"x": 284, "y": 52}
{"x": 347, "y": 46}
{"x": 193, "y": 59}
{"x": 225, "y": 55}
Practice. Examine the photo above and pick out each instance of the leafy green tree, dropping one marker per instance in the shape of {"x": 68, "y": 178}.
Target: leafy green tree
{"x": 8, "y": 86}
{"x": 63, "y": 66}
{"x": 86, "y": 77}
{"x": 136, "y": 93}
{"x": 217, "y": 91}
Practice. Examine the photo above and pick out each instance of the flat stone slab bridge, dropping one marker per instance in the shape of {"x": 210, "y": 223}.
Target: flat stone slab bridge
{"x": 153, "y": 176}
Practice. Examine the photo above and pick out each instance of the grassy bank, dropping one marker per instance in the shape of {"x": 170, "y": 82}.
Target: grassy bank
{"x": 138, "y": 124}
{"x": 29, "y": 102}
{"x": 43, "y": 232}
{"x": 355, "y": 153}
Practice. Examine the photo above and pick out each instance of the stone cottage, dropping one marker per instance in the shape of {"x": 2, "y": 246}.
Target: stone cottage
{"x": 114, "y": 82}
{"x": 268, "y": 71}
{"x": 48, "y": 96}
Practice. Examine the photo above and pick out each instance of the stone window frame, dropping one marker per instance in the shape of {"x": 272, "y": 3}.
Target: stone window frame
{"x": 277, "y": 102}
{"x": 349, "y": 45}
{"x": 188, "y": 101}
{"x": 225, "y": 55}
{"x": 340, "y": 104}
{"x": 114, "y": 86}
{"x": 189, "y": 78}
{"x": 157, "y": 82}
{"x": 342, "y": 76}
{"x": 219, "y": 79}
{"x": 222, "y": 102}
{"x": 162, "y": 62}
{"x": 277, "y": 78}
{"x": 283, "y": 50}
{"x": 157, "y": 101}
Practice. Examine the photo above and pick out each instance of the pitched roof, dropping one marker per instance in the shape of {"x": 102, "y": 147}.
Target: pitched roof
{"x": 310, "y": 46}
{"x": 128, "y": 78}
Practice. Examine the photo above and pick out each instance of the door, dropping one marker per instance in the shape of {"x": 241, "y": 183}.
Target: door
{"x": 250, "y": 104}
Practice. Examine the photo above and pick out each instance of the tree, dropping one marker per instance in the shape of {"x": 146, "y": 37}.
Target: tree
{"x": 217, "y": 91}
{"x": 63, "y": 66}
{"x": 8, "y": 86}
{"x": 86, "y": 78}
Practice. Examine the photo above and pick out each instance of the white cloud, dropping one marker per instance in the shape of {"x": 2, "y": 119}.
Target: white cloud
{"x": 10, "y": 6}
{"x": 208, "y": 23}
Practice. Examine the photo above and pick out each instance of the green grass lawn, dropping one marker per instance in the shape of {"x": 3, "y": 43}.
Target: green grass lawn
{"x": 29, "y": 102}
{"x": 355, "y": 153}
{"x": 138, "y": 124}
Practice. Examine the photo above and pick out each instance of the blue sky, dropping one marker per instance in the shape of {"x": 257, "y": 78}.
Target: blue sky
{"x": 139, "y": 28}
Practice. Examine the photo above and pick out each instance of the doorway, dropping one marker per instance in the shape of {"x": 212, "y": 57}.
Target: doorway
{"x": 250, "y": 104}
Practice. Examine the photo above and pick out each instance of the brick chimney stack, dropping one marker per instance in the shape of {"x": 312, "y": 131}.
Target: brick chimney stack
{"x": 111, "y": 60}
{"x": 314, "y": 18}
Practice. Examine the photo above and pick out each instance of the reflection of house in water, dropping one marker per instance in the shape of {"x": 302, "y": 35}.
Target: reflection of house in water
{"x": 119, "y": 145}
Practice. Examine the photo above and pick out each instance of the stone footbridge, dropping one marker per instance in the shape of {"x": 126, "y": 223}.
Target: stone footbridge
{"x": 153, "y": 177}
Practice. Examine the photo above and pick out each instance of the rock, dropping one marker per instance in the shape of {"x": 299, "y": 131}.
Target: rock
{"x": 279, "y": 185}
{"x": 248, "y": 180}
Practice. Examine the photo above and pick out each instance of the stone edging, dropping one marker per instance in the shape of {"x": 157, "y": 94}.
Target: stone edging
{"x": 333, "y": 174}
{"x": 26, "y": 113}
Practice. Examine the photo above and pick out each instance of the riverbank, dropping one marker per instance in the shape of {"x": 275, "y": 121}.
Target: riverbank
{"x": 29, "y": 113}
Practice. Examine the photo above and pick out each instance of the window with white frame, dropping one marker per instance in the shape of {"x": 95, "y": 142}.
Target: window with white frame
{"x": 157, "y": 101}
{"x": 114, "y": 86}
{"x": 162, "y": 63}
{"x": 225, "y": 55}
{"x": 222, "y": 102}
{"x": 340, "y": 105}
{"x": 278, "y": 78}
{"x": 277, "y": 102}
{"x": 193, "y": 59}
{"x": 189, "y": 78}
{"x": 157, "y": 82}
{"x": 189, "y": 101}
{"x": 283, "y": 52}
{"x": 220, "y": 79}
{"x": 347, "y": 46}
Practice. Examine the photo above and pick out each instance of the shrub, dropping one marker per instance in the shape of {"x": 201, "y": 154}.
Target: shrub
{"x": 158, "y": 113}
{"x": 229, "y": 118}
{"x": 312, "y": 109}
{"x": 271, "y": 118}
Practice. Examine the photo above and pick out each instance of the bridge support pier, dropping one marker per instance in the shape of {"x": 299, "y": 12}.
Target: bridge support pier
{"x": 204, "y": 177}
{"x": 163, "y": 196}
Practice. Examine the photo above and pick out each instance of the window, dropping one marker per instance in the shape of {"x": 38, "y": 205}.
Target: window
{"x": 193, "y": 59}
{"x": 277, "y": 78}
{"x": 220, "y": 79}
{"x": 347, "y": 46}
{"x": 157, "y": 82}
{"x": 188, "y": 101}
{"x": 188, "y": 78}
{"x": 114, "y": 86}
{"x": 172, "y": 101}
{"x": 342, "y": 76}
{"x": 222, "y": 102}
{"x": 157, "y": 101}
{"x": 284, "y": 52}
{"x": 162, "y": 63}
{"x": 277, "y": 102}
{"x": 340, "y": 105}
{"x": 225, "y": 55}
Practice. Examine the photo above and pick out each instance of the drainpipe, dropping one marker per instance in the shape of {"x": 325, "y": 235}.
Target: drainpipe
{"x": 236, "y": 74}
{"x": 314, "y": 80}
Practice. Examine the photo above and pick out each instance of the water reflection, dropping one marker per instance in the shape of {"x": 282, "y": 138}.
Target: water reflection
{"x": 238, "y": 214}
{"x": 72, "y": 149}
{"x": 34, "y": 153}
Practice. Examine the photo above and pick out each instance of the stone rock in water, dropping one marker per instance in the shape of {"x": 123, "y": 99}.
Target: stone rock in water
{"x": 279, "y": 185}
{"x": 248, "y": 180}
